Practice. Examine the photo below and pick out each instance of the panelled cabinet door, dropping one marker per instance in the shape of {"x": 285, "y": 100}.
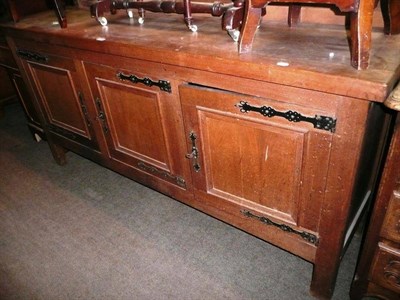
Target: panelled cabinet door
{"x": 141, "y": 121}
{"x": 60, "y": 95}
{"x": 266, "y": 158}
{"x": 25, "y": 98}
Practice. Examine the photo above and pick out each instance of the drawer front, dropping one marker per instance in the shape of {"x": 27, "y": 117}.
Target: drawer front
{"x": 391, "y": 226}
{"x": 386, "y": 268}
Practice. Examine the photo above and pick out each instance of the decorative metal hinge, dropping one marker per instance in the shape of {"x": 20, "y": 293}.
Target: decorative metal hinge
{"x": 101, "y": 116}
{"x": 309, "y": 237}
{"x": 176, "y": 179}
{"x": 28, "y": 55}
{"x": 162, "y": 84}
{"x": 319, "y": 122}
{"x": 84, "y": 109}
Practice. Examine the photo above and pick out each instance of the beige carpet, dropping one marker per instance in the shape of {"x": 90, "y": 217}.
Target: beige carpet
{"x": 84, "y": 232}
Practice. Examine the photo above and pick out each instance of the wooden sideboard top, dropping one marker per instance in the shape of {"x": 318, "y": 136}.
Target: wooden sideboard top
{"x": 309, "y": 56}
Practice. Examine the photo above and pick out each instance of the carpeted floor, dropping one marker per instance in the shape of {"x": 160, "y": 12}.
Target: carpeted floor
{"x": 84, "y": 232}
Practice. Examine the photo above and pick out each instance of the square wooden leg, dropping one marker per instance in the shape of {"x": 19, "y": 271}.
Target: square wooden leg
{"x": 360, "y": 34}
{"x": 391, "y": 16}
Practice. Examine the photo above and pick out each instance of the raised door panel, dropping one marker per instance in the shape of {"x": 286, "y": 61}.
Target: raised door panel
{"x": 272, "y": 169}
{"x": 141, "y": 124}
{"x": 26, "y": 100}
{"x": 135, "y": 124}
{"x": 60, "y": 95}
{"x": 244, "y": 159}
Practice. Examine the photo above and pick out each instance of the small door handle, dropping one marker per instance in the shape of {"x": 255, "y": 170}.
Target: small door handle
{"x": 194, "y": 155}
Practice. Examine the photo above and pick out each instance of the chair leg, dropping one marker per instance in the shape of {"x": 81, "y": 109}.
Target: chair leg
{"x": 251, "y": 20}
{"x": 294, "y": 14}
{"x": 60, "y": 13}
{"x": 360, "y": 34}
{"x": 391, "y": 16}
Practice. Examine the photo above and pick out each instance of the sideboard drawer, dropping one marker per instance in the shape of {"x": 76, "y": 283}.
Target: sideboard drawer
{"x": 386, "y": 268}
{"x": 391, "y": 227}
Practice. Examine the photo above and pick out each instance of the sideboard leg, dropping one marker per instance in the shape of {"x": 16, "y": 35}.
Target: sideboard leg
{"x": 58, "y": 153}
{"x": 251, "y": 22}
{"x": 324, "y": 278}
{"x": 358, "y": 288}
{"x": 360, "y": 34}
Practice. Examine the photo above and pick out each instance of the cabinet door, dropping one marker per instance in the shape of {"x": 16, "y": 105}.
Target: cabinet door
{"x": 26, "y": 101}
{"x": 7, "y": 91}
{"x": 59, "y": 91}
{"x": 270, "y": 169}
{"x": 142, "y": 123}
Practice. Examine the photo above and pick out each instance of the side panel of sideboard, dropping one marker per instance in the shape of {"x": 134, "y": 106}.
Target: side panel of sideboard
{"x": 16, "y": 86}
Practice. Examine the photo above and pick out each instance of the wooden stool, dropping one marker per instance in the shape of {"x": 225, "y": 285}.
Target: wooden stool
{"x": 361, "y": 13}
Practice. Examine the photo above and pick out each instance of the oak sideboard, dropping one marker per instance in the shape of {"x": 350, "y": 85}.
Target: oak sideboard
{"x": 284, "y": 142}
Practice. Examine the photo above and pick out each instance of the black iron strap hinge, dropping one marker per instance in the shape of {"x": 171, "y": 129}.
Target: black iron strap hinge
{"x": 162, "y": 84}
{"x": 309, "y": 237}
{"x": 33, "y": 56}
{"x": 319, "y": 122}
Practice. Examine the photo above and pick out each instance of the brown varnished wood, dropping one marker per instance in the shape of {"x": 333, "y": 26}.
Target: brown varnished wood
{"x": 360, "y": 34}
{"x": 306, "y": 53}
{"x": 294, "y": 14}
{"x": 144, "y": 130}
{"x": 380, "y": 250}
{"x": 297, "y": 176}
{"x": 343, "y": 5}
{"x": 251, "y": 20}
{"x": 59, "y": 9}
{"x": 57, "y": 79}
{"x": 14, "y": 85}
{"x": 7, "y": 93}
{"x": 393, "y": 100}
{"x": 265, "y": 169}
{"x": 32, "y": 115}
{"x": 21, "y": 8}
{"x": 391, "y": 16}
{"x": 361, "y": 15}
{"x": 333, "y": 214}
